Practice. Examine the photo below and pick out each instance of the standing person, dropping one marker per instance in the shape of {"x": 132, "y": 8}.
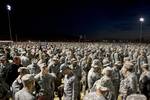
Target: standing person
{"x": 140, "y": 61}
{"x": 106, "y": 81}
{"x": 116, "y": 77}
{"x": 26, "y": 92}
{"x": 17, "y": 84}
{"x": 34, "y": 68}
{"x": 12, "y": 73}
{"x": 46, "y": 82}
{"x": 24, "y": 59}
{"x": 94, "y": 74}
{"x": 145, "y": 81}
{"x": 4, "y": 65}
{"x": 129, "y": 84}
{"x": 71, "y": 90}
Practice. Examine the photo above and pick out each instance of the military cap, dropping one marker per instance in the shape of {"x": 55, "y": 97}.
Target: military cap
{"x": 63, "y": 67}
{"x": 118, "y": 63}
{"x": 129, "y": 65}
{"x": 145, "y": 65}
{"x": 102, "y": 88}
{"x": 3, "y": 58}
{"x": 136, "y": 97}
{"x": 106, "y": 62}
{"x": 106, "y": 69}
{"x": 73, "y": 60}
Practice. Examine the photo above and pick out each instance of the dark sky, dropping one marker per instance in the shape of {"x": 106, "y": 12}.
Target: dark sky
{"x": 68, "y": 19}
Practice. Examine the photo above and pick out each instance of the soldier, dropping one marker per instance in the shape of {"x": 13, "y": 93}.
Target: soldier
{"x": 77, "y": 71}
{"x": 116, "y": 77}
{"x": 12, "y": 73}
{"x": 4, "y": 65}
{"x": 136, "y": 97}
{"x": 17, "y": 84}
{"x": 99, "y": 94}
{"x": 24, "y": 59}
{"x": 145, "y": 81}
{"x": 34, "y": 68}
{"x": 26, "y": 92}
{"x": 140, "y": 61}
{"x": 46, "y": 82}
{"x": 129, "y": 84}
{"x": 94, "y": 73}
{"x": 106, "y": 81}
{"x": 71, "y": 89}
{"x": 106, "y": 63}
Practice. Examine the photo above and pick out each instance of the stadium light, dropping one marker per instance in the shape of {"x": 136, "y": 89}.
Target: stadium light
{"x": 9, "y": 21}
{"x": 141, "y": 19}
{"x": 8, "y": 7}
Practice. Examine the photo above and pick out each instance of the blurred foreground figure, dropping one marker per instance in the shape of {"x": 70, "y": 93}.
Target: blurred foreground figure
{"x": 28, "y": 86}
{"x": 98, "y": 94}
{"x": 136, "y": 97}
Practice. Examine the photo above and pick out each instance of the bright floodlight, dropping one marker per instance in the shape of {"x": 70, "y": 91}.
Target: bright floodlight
{"x": 9, "y": 7}
{"x": 141, "y": 19}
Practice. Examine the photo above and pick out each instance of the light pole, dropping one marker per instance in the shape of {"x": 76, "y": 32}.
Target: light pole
{"x": 141, "y": 27}
{"x": 9, "y": 22}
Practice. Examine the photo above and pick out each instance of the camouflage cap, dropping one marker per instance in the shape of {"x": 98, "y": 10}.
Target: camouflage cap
{"x": 106, "y": 69}
{"x": 63, "y": 67}
{"x": 118, "y": 63}
{"x": 145, "y": 65}
{"x": 102, "y": 88}
{"x": 136, "y": 97}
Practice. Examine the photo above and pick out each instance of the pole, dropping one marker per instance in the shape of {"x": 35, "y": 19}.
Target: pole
{"x": 141, "y": 24}
{"x": 9, "y": 22}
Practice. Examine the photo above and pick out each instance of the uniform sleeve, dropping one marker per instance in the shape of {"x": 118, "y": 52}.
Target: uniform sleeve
{"x": 90, "y": 82}
{"x": 16, "y": 96}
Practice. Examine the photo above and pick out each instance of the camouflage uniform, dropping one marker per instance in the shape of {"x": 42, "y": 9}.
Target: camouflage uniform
{"x": 92, "y": 78}
{"x": 128, "y": 85}
{"x": 33, "y": 68}
{"x": 145, "y": 84}
{"x": 93, "y": 96}
{"x": 107, "y": 82}
{"x": 46, "y": 84}
{"x": 71, "y": 89}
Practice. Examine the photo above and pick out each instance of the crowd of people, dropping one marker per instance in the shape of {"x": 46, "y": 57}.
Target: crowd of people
{"x": 100, "y": 71}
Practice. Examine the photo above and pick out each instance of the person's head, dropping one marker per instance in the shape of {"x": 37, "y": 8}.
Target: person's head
{"x": 106, "y": 62}
{"x": 17, "y": 60}
{"x": 73, "y": 61}
{"x": 145, "y": 67}
{"x": 28, "y": 81}
{"x": 118, "y": 64}
{"x": 65, "y": 69}
{"x": 107, "y": 71}
{"x": 55, "y": 60}
{"x": 129, "y": 66}
{"x": 101, "y": 89}
{"x": 23, "y": 70}
{"x": 3, "y": 59}
{"x": 43, "y": 68}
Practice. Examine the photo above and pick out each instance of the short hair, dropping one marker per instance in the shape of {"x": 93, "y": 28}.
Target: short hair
{"x": 27, "y": 79}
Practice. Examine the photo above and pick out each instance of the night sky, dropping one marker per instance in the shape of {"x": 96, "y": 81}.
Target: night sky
{"x": 68, "y": 19}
